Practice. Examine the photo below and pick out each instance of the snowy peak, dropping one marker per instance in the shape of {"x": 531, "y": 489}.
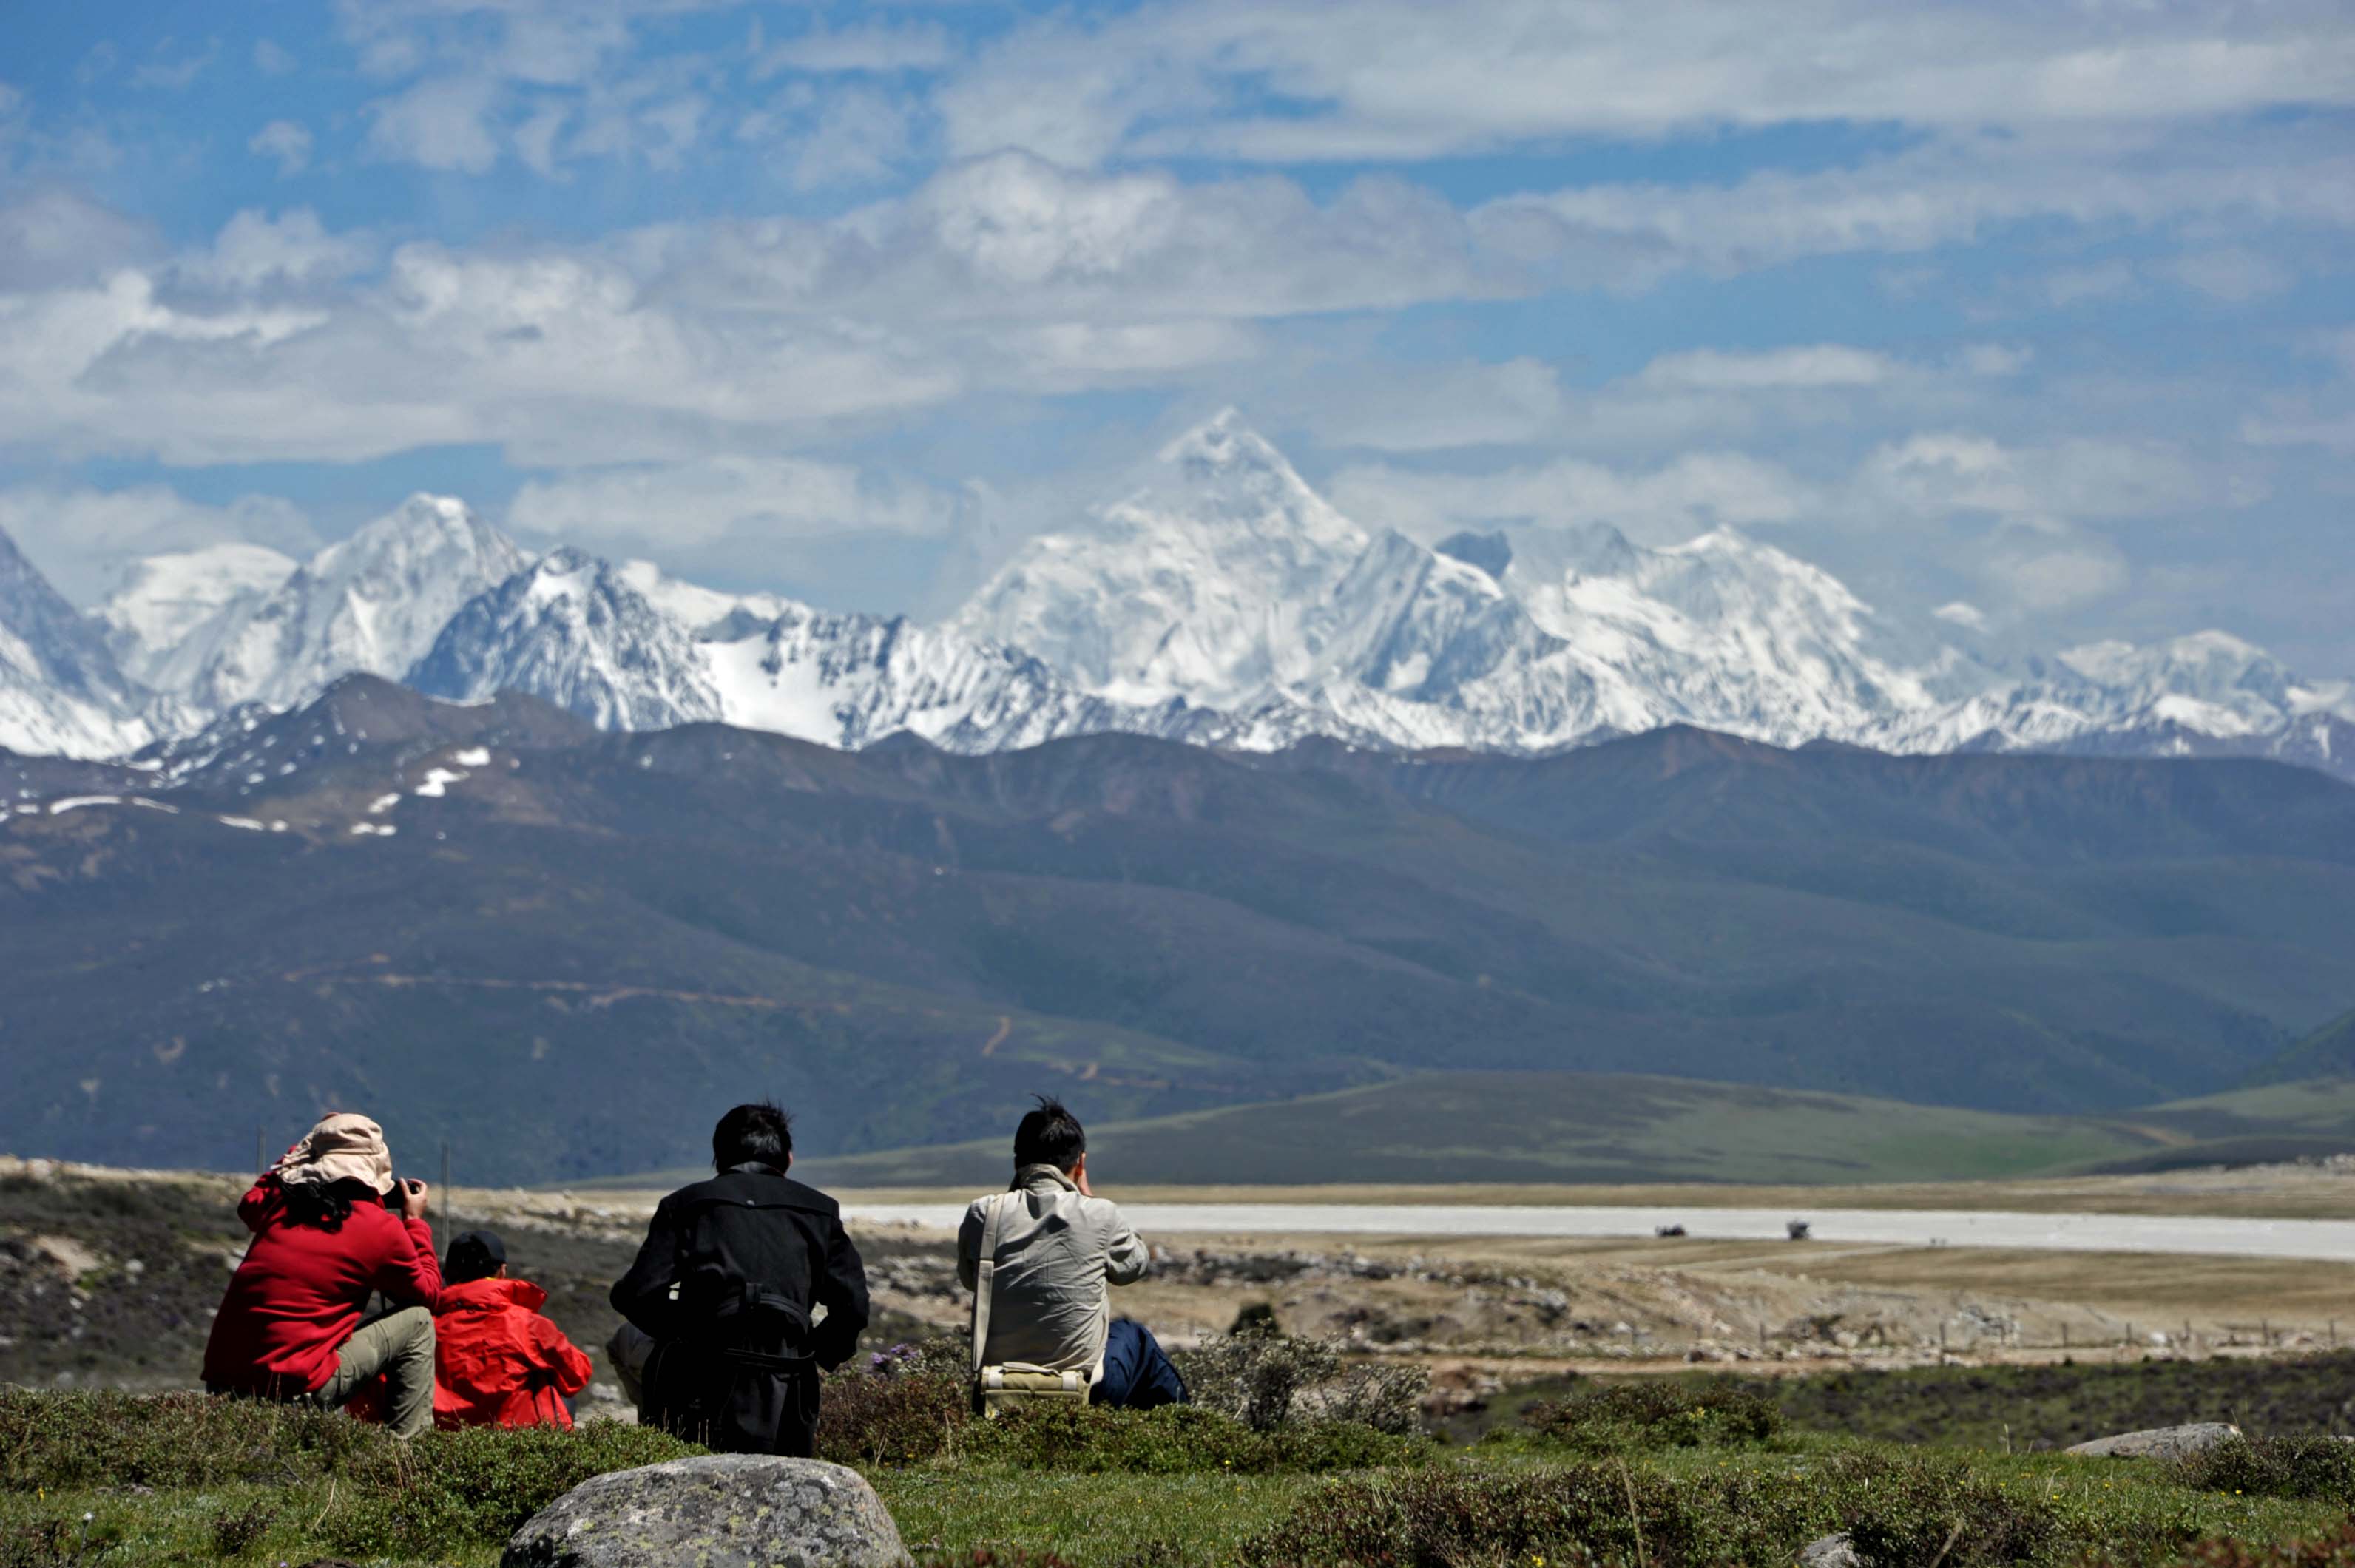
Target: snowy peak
{"x": 572, "y": 630}
{"x": 1223, "y": 580}
{"x": 373, "y": 605}
{"x": 61, "y": 692}
{"x": 153, "y": 619}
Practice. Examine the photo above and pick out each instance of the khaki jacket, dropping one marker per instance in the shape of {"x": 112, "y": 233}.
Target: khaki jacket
{"x": 1058, "y": 1252}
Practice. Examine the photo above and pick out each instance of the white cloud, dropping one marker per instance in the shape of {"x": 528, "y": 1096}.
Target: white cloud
{"x": 439, "y": 123}
{"x": 876, "y": 47}
{"x": 254, "y": 249}
{"x": 2232, "y": 273}
{"x": 286, "y": 141}
{"x": 272, "y": 58}
{"x": 2048, "y": 567}
{"x": 1932, "y": 475}
{"x": 683, "y": 506}
{"x": 1817, "y": 365}
{"x": 80, "y": 539}
{"x": 2102, "y": 280}
{"x": 859, "y": 138}
{"x": 1405, "y": 79}
{"x": 1995, "y": 359}
{"x": 1960, "y": 612}
{"x": 172, "y": 66}
{"x": 1688, "y": 495}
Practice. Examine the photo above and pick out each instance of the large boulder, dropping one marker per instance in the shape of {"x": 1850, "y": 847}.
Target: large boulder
{"x": 725, "y": 1511}
{"x": 2161, "y": 1442}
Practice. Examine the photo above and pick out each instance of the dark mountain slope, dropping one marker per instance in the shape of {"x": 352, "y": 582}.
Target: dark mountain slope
{"x": 564, "y": 947}
{"x": 2327, "y": 1053}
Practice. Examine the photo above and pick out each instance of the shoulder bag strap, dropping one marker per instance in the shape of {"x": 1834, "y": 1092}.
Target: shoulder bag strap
{"x": 984, "y": 1272}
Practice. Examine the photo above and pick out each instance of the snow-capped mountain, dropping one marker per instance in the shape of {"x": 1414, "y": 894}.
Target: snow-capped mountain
{"x": 628, "y": 648}
{"x": 373, "y": 604}
{"x": 164, "y": 618}
{"x": 61, "y": 693}
{"x": 850, "y": 681}
{"x": 1225, "y": 580}
{"x": 568, "y": 629}
{"x": 1219, "y": 600}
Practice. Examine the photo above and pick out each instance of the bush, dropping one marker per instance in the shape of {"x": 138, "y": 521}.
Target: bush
{"x": 1176, "y": 1439}
{"x": 1654, "y": 1413}
{"x": 2320, "y": 1468}
{"x": 1903, "y": 1512}
{"x": 1580, "y": 1513}
{"x": 96, "y": 1438}
{"x": 900, "y": 1406}
{"x": 447, "y": 1487}
{"x": 1264, "y": 1378}
{"x": 236, "y": 1531}
{"x": 2334, "y": 1550}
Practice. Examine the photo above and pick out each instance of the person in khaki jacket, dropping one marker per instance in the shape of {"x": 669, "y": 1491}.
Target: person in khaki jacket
{"x": 1054, "y": 1251}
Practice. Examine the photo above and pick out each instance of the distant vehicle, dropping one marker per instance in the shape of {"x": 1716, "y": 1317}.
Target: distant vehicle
{"x": 1797, "y": 1230}
{"x": 1668, "y": 1230}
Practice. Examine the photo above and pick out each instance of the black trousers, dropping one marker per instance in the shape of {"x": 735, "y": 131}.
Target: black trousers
{"x": 732, "y": 1409}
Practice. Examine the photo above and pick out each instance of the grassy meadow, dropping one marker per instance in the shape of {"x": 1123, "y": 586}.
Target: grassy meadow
{"x": 1570, "y": 1129}
{"x": 1945, "y": 1467}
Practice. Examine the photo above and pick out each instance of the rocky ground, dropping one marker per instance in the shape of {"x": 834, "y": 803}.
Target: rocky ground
{"x": 109, "y": 1277}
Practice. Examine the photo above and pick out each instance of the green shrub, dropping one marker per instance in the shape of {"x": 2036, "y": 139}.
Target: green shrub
{"x": 1176, "y": 1440}
{"x": 2320, "y": 1468}
{"x": 102, "y": 1438}
{"x": 900, "y": 1406}
{"x": 1656, "y": 1413}
{"x": 1903, "y": 1512}
{"x": 1265, "y": 1378}
{"x": 1580, "y": 1513}
{"x": 236, "y": 1531}
{"x": 447, "y": 1487}
{"x": 2334, "y": 1550}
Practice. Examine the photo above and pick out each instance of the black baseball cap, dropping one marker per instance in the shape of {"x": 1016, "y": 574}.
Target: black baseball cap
{"x": 474, "y": 1253}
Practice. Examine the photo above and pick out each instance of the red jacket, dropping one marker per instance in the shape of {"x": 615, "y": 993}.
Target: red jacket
{"x": 497, "y": 1362}
{"x": 302, "y": 1288}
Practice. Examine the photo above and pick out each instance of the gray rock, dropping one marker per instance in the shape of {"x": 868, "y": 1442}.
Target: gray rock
{"x": 727, "y": 1510}
{"x": 2161, "y": 1442}
{"x": 1831, "y": 1552}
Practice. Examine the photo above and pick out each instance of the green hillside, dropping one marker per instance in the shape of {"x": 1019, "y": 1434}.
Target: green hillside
{"x": 1572, "y": 1128}
{"x": 2327, "y": 1053}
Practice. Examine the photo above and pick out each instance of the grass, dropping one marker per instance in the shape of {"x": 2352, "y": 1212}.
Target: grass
{"x": 1579, "y": 1129}
{"x": 1699, "y": 1470}
{"x": 1567, "y": 1127}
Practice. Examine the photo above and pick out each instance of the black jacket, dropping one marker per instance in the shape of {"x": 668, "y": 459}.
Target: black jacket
{"x": 750, "y": 1225}
{"x": 725, "y": 1284}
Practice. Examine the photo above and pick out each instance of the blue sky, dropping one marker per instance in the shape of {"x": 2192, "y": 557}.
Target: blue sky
{"x": 2039, "y": 312}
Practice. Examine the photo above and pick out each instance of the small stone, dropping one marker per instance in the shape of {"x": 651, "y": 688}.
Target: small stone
{"x": 1830, "y": 1551}
{"x": 2161, "y": 1442}
{"x": 723, "y": 1510}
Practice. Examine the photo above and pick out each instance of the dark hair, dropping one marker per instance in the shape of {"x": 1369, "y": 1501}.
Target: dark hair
{"x": 327, "y": 1205}
{"x": 1049, "y": 1136}
{"x": 757, "y": 1133}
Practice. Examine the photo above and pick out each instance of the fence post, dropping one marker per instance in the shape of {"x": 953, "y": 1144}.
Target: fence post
{"x": 449, "y": 1210}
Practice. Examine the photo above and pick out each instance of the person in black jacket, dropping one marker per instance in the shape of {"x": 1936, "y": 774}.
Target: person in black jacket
{"x": 746, "y": 1288}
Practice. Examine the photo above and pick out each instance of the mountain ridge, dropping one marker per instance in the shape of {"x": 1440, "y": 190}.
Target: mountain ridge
{"x": 486, "y": 918}
{"x": 1220, "y": 600}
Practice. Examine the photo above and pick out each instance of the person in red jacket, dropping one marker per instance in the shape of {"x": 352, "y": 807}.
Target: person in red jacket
{"x": 290, "y": 1327}
{"x": 497, "y": 1362}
